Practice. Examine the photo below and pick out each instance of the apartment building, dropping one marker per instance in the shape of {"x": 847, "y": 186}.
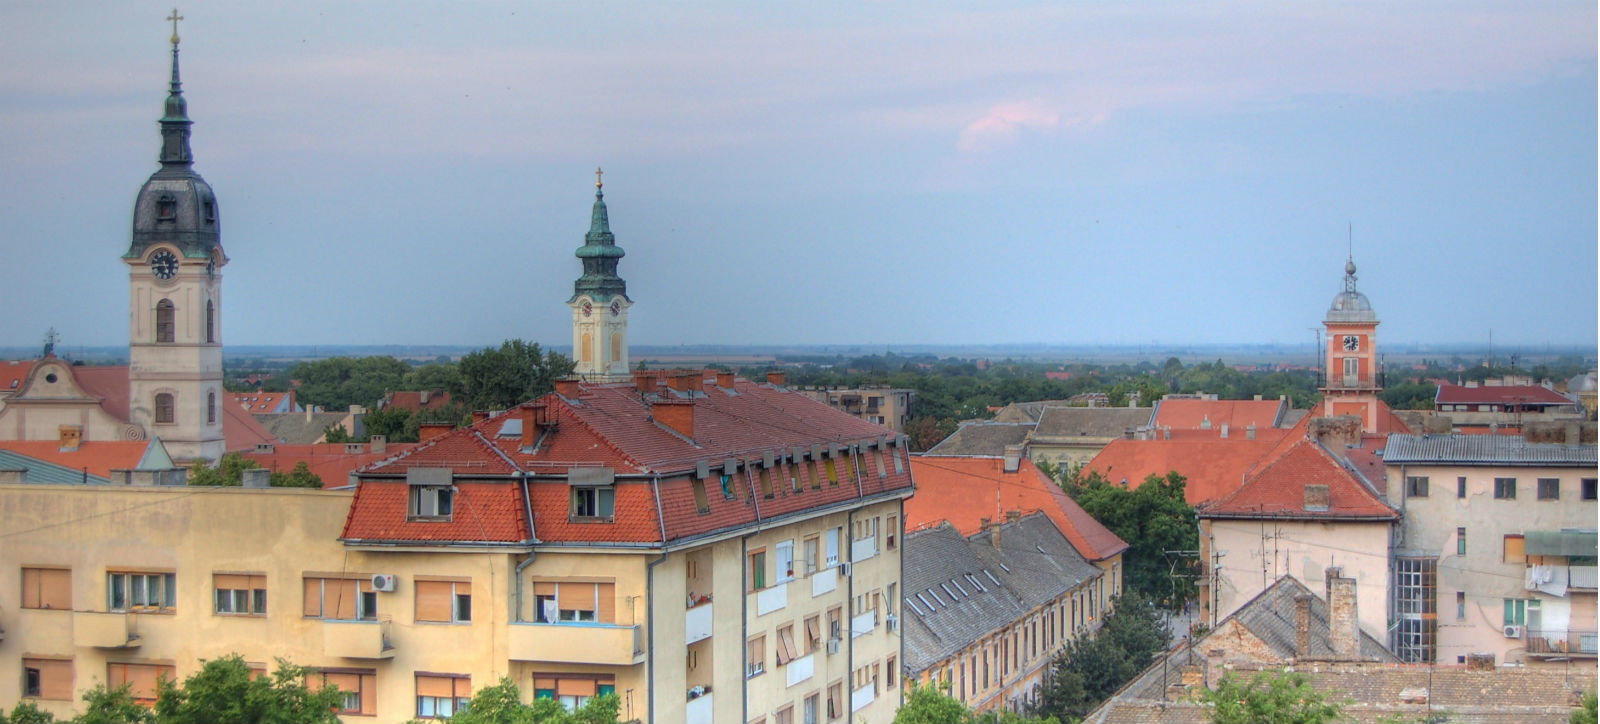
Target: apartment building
{"x": 1496, "y": 552}
{"x": 886, "y": 406}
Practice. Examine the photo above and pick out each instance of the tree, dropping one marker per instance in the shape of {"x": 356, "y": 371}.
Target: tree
{"x": 337, "y": 383}
{"x": 391, "y": 423}
{"x": 225, "y": 691}
{"x": 518, "y": 371}
{"x": 299, "y": 477}
{"x": 932, "y": 704}
{"x": 1153, "y": 518}
{"x": 502, "y": 704}
{"x": 26, "y": 712}
{"x": 112, "y": 706}
{"x": 1270, "y": 697}
{"x": 1585, "y": 714}
{"x": 1091, "y": 670}
{"x": 229, "y": 471}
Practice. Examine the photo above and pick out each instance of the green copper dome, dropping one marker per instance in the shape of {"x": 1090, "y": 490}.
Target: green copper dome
{"x": 599, "y": 255}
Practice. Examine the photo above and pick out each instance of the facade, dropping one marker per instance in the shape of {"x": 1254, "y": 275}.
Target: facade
{"x": 600, "y": 302}
{"x": 1068, "y": 437}
{"x": 987, "y": 614}
{"x": 886, "y": 406}
{"x": 1497, "y": 550}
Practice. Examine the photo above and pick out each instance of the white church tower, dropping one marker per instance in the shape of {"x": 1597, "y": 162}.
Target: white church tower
{"x": 600, "y": 302}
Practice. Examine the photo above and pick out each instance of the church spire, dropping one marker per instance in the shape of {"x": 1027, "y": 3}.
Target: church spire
{"x": 175, "y": 122}
{"x": 599, "y": 253}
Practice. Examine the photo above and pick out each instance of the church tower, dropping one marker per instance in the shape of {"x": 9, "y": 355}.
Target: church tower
{"x": 174, "y": 280}
{"x": 600, "y": 302}
{"x": 1351, "y": 355}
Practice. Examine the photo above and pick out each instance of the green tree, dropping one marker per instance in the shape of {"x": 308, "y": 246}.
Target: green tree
{"x": 1585, "y": 714}
{"x": 113, "y": 706}
{"x": 518, "y": 371}
{"x": 26, "y": 712}
{"x": 1153, "y": 518}
{"x": 223, "y": 690}
{"x": 1270, "y": 697}
{"x": 445, "y": 376}
{"x": 932, "y": 704}
{"x": 391, "y": 423}
{"x": 1093, "y": 669}
{"x": 336, "y": 433}
{"x": 229, "y": 470}
{"x": 299, "y": 477}
{"x": 337, "y": 383}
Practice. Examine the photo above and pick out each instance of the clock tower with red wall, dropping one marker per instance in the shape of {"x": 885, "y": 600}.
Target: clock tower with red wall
{"x": 1350, "y": 361}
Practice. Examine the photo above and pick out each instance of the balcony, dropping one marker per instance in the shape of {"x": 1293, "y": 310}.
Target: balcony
{"x": 860, "y": 698}
{"x": 1562, "y": 643}
{"x": 577, "y": 643}
{"x": 863, "y": 624}
{"x": 799, "y": 670}
{"x": 357, "y": 639}
{"x": 697, "y": 623}
{"x": 772, "y": 599}
{"x": 824, "y": 581}
{"x": 863, "y": 549}
{"x": 1583, "y": 578}
{"x": 698, "y": 710}
{"x": 104, "y": 630}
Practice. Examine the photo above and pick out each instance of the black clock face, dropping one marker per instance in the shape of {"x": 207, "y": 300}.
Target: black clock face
{"x": 587, "y": 309}
{"x": 1352, "y": 343}
{"x": 164, "y": 265}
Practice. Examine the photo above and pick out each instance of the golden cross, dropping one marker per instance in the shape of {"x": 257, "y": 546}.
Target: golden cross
{"x": 174, "y": 17}
{"x": 597, "y": 173}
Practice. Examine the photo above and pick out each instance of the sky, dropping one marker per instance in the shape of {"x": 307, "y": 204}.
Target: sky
{"x": 814, "y": 173}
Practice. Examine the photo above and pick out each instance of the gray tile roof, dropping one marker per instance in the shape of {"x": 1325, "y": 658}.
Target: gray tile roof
{"x": 1484, "y": 450}
{"x": 294, "y": 428}
{"x": 1270, "y": 616}
{"x": 1090, "y": 422}
{"x": 983, "y": 438}
{"x": 970, "y": 588}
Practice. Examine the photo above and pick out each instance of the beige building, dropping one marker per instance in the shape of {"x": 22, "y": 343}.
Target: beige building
{"x": 1497, "y": 550}
{"x": 886, "y": 406}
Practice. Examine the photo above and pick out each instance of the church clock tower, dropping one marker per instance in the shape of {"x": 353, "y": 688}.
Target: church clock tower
{"x": 175, "y": 283}
{"x": 1351, "y": 355}
{"x": 600, "y": 302}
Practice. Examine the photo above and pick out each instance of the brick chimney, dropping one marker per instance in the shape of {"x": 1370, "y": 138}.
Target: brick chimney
{"x": 1302, "y": 626}
{"x": 379, "y": 443}
{"x": 675, "y": 414}
{"x": 776, "y": 379}
{"x": 430, "y": 430}
{"x": 479, "y": 416}
{"x": 644, "y": 381}
{"x": 530, "y": 424}
{"x": 725, "y": 380}
{"x": 1344, "y": 627}
{"x": 567, "y": 387}
{"x": 1013, "y": 458}
{"x": 1336, "y": 433}
{"x": 71, "y": 437}
{"x": 1317, "y": 498}
{"x": 678, "y": 381}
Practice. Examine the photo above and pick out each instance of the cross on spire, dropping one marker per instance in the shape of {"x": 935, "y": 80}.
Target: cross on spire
{"x": 174, "y": 17}
{"x": 597, "y": 174}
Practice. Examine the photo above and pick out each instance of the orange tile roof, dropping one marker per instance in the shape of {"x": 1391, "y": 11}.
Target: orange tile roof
{"x": 240, "y": 431}
{"x": 12, "y": 373}
{"x": 484, "y": 512}
{"x": 98, "y": 457}
{"x": 329, "y": 461}
{"x": 1278, "y": 489}
{"x": 412, "y": 400}
{"x": 964, "y": 490}
{"x": 1213, "y": 466}
{"x": 1237, "y": 414}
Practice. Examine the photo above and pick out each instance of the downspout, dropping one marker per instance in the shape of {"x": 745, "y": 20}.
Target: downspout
{"x": 527, "y": 505}
{"x": 847, "y": 623}
{"x": 744, "y": 629}
{"x": 649, "y": 601}
{"x": 1397, "y": 540}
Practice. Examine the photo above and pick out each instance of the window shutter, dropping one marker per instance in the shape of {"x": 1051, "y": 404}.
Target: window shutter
{"x": 232, "y": 581}
{"x": 576, "y": 596}
{"x": 544, "y": 589}
{"x": 607, "y": 594}
{"x": 575, "y": 687}
{"x": 311, "y": 602}
{"x": 342, "y": 595}
{"x": 439, "y": 686}
{"x": 433, "y": 601}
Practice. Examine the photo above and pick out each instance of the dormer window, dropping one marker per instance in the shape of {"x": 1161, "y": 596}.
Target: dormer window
{"x": 211, "y": 211}
{"x": 431, "y": 502}
{"x": 594, "y": 503}
{"x": 166, "y": 208}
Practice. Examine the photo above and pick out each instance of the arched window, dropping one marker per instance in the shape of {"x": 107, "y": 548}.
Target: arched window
{"x": 164, "y": 407}
{"x": 616, "y": 346}
{"x": 164, "y": 325}
{"x": 211, "y": 408}
{"x": 166, "y": 208}
{"x": 588, "y": 348}
{"x": 211, "y": 322}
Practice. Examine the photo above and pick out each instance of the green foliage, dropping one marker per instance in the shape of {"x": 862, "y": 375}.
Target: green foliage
{"x": 1585, "y": 714}
{"x": 502, "y": 704}
{"x": 437, "y": 376}
{"x": 229, "y": 471}
{"x": 300, "y": 477}
{"x": 1090, "y": 670}
{"x": 1270, "y": 697}
{"x": 392, "y": 423}
{"x": 112, "y": 706}
{"x": 336, "y": 433}
{"x": 518, "y": 371}
{"x": 26, "y": 712}
{"x": 1409, "y": 394}
{"x": 933, "y": 704}
{"x": 1153, "y": 518}
{"x": 224, "y": 691}
{"x": 337, "y": 383}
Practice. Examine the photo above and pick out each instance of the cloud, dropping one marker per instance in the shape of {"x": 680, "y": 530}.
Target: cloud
{"x": 1002, "y": 124}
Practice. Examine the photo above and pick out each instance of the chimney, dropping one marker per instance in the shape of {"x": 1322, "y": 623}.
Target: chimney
{"x": 1224, "y": 430}
{"x": 678, "y": 415}
{"x": 1013, "y": 516}
{"x": 257, "y": 478}
{"x": 644, "y": 381}
{"x": 1344, "y": 628}
{"x": 567, "y": 387}
{"x": 776, "y": 379}
{"x": 1302, "y": 626}
{"x": 379, "y": 443}
{"x": 422, "y": 397}
{"x": 983, "y": 524}
{"x": 1316, "y": 498}
{"x": 71, "y": 436}
{"x": 358, "y": 410}
{"x": 1166, "y": 432}
{"x": 725, "y": 380}
{"x": 1250, "y": 432}
{"x": 1336, "y": 433}
{"x": 430, "y": 430}
{"x": 1013, "y": 458}
{"x": 529, "y": 425}
{"x": 310, "y": 410}
{"x": 1258, "y": 398}
{"x": 479, "y": 416}
{"x": 678, "y": 381}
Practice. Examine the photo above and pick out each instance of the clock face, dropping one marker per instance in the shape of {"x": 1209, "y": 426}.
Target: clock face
{"x": 164, "y": 265}
{"x": 211, "y": 268}
{"x": 616, "y": 308}
{"x": 1352, "y": 343}
{"x": 588, "y": 309}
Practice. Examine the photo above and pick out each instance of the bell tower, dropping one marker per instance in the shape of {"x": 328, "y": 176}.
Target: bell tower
{"x": 1351, "y": 355}
{"x": 600, "y": 301}
{"x": 175, "y": 284}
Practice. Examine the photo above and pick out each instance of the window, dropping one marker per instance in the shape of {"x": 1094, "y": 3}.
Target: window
{"x": 813, "y": 633}
{"x": 835, "y": 623}
{"x": 575, "y": 601}
{"x": 816, "y": 474}
{"x": 360, "y": 689}
{"x": 765, "y": 476}
{"x": 165, "y": 329}
{"x": 140, "y": 678}
{"x": 572, "y": 691}
{"x": 599, "y": 503}
{"x": 211, "y": 210}
{"x": 164, "y": 407}
{"x": 141, "y": 592}
{"x": 1416, "y": 487}
{"x": 808, "y": 709}
{"x": 809, "y": 549}
{"x": 890, "y": 531}
{"x": 1352, "y": 371}
{"x": 702, "y": 505}
{"x": 339, "y": 599}
{"x": 1505, "y": 488}
{"x": 211, "y": 408}
{"x": 1461, "y": 605}
{"x": 444, "y": 601}
{"x": 1549, "y": 489}
{"x": 1461, "y": 541}
{"x": 47, "y": 588}
{"x": 833, "y": 470}
{"x": 729, "y": 487}
{"x": 1511, "y": 550}
{"x": 835, "y": 700}
{"x": 758, "y": 569}
{"x": 784, "y": 715}
{"x": 1461, "y": 487}
{"x": 832, "y": 546}
{"x": 1416, "y": 581}
{"x": 240, "y": 594}
{"x": 431, "y": 502}
{"x": 785, "y": 561}
{"x": 1588, "y": 485}
{"x": 1516, "y": 611}
{"x": 47, "y": 679}
{"x": 786, "y": 649}
{"x": 755, "y": 656}
{"x": 166, "y": 208}
{"x": 441, "y": 696}
{"x": 888, "y": 678}
{"x": 211, "y": 322}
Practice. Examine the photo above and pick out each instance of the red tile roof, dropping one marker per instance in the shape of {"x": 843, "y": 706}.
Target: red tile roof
{"x": 483, "y": 512}
{"x": 329, "y": 461}
{"x": 1277, "y": 489}
{"x": 108, "y": 382}
{"x": 964, "y": 490}
{"x": 240, "y": 431}
{"x": 12, "y": 373}
{"x": 610, "y": 425}
{"x": 1213, "y": 467}
{"x": 1237, "y": 414}
{"x": 413, "y": 400}
{"x": 99, "y": 457}
{"x": 1498, "y": 395}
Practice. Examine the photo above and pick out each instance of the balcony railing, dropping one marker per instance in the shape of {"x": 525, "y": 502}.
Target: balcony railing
{"x": 698, "y": 710}
{"x": 697, "y": 623}
{"x": 358, "y": 639}
{"x": 105, "y": 629}
{"x": 1560, "y": 643}
{"x": 577, "y": 643}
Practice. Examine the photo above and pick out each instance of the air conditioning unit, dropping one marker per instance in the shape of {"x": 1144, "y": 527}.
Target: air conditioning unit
{"x": 383, "y": 582}
{"x": 1513, "y": 632}
{"x": 893, "y": 621}
{"x": 833, "y": 646}
{"x": 844, "y": 569}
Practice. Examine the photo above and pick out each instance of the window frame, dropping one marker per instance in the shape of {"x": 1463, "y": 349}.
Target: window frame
{"x": 1416, "y": 486}
{"x": 365, "y": 604}
{"x": 458, "y": 703}
{"x": 459, "y": 594}
{"x": 1505, "y": 488}
{"x": 755, "y": 656}
{"x": 38, "y": 588}
{"x": 120, "y": 584}
{"x": 1587, "y": 488}
{"x": 592, "y": 503}
{"x": 38, "y": 678}
{"x": 166, "y": 324}
{"x": 424, "y": 503}
{"x": 254, "y": 598}
{"x": 166, "y": 408}
{"x": 1552, "y": 486}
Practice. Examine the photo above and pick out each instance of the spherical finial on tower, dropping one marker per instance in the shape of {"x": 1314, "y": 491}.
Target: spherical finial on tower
{"x": 598, "y": 183}
{"x": 1350, "y": 266}
{"x": 174, "y": 17}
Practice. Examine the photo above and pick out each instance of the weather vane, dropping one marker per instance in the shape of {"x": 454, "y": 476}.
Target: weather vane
{"x": 174, "y": 17}
{"x": 50, "y": 339}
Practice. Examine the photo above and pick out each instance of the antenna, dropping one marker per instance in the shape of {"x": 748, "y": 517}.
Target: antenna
{"x": 1350, "y": 239}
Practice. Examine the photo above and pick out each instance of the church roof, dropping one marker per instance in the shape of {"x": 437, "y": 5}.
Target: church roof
{"x": 176, "y": 206}
{"x": 599, "y": 254}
